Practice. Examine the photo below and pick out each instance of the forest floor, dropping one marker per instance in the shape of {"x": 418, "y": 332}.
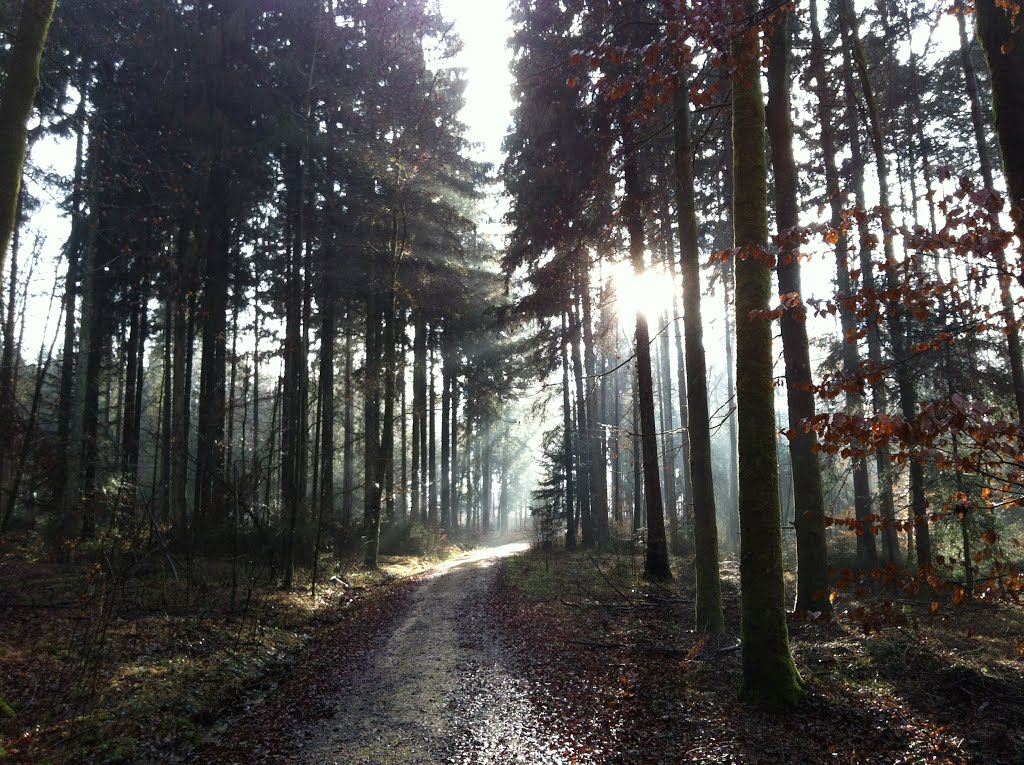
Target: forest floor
{"x": 559, "y": 657}
{"x": 492, "y": 657}
{"x": 893, "y": 679}
{"x": 121, "y": 657}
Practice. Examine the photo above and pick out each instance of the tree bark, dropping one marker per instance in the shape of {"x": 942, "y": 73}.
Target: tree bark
{"x": 656, "y": 563}
{"x": 769, "y": 675}
{"x": 582, "y": 451}
{"x": 430, "y": 433}
{"x": 446, "y": 435}
{"x": 1003, "y": 43}
{"x": 867, "y": 553}
{"x": 456, "y": 496}
{"x": 894, "y": 311}
{"x": 836, "y": 199}
{"x": 567, "y": 450}
{"x": 19, "y": 94}
{"x": 710, "y": 616}
{"x": 328, "y": 337}
{"x": 348, "y": 459}
{"x": 663, "y": 370}
{"x": 1013, "y": 345}
{"x": 210, "y": 494}
{"x": 809, "y": 500}
{"x": 598, "y": 505}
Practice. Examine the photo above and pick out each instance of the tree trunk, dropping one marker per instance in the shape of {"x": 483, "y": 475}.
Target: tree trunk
{"x": 769, "y": 675}
{"x": 403, "y": 477}
{"x": 419, "y": 376}
{"x": 867, "y": 553}
{"x": 809, "y": 500}
{"x": 637, "y": 516}
{"x": 386, "y": 456}
{"x": 710, "y": 617}
{"x": 971, "y": 86}
{"x": 683, "y": 459}
{"x": 985, "y": 165}
{"x": 663, "y": 369}
{"x": 656, "y": 563}
{"x": 1003, "y": 43}
{"x": 371, "y": 433}
{"x": 567, "y": 450}
{"x": 580, "y": 453}
{"x": 348, "y": 467}
{"x": 328, "y": 337}
{"x": 615, "y": 446}
{"x": 295, "y": 364}
{"x": 486, "y": 476}
{"x": 582, "y": 450}
{"x": 19, "y": 94}
{"x": 446, "y": 435}
{"x": 181, "y": 390}
{"x": 456, "y": 497}
{"x": 894, "y": 311}
{"x": 598, "y": 505}
{"x": 210, "y": 495}
{"x": 430, "y": 481}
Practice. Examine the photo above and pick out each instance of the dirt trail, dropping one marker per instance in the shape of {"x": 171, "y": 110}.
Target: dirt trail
{"x": 435, "y": 690}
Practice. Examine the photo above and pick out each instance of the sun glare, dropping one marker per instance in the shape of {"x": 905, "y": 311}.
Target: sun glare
{"x": 649, "y": 293}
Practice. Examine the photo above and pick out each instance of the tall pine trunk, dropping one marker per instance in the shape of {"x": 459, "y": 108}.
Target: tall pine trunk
{"x": 710, "y": 617}
{"x": 867, "y": 553}
{"x": 567, "y": 440}
{"x": 446, "y": 434}
{"x": 656, "y": 563}
{"x": 769, "y": 675}
{"x": 1002, "y": 39}
{"x": 598, "y": 505}
{"x": 210, "y": 494}
{"x": 894, "y": 310}
{"x": 809, "y": 500}
{"x": 582, "y": 452}
{"x": 1013, "y": 346}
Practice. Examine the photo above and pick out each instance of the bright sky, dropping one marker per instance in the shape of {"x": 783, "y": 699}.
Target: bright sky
{"x": 484, "y": 28}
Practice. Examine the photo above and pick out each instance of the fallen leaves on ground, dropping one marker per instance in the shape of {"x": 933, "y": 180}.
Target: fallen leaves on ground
{"x": 625, "y": 675}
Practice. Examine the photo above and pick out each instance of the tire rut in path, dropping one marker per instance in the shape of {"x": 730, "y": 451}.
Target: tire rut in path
{"x": 436, "y": 689}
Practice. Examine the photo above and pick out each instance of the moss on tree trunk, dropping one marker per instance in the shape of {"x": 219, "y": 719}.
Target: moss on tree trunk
{"x": 15, "y": 109}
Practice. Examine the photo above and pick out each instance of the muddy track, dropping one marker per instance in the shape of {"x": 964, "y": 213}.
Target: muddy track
{"x": 435, "y": 688}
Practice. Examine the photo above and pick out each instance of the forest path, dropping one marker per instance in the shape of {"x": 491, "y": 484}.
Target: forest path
{"x": 436, "y": 689}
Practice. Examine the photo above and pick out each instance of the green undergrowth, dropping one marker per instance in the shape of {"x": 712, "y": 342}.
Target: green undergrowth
{"x": 121, "y": 657}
